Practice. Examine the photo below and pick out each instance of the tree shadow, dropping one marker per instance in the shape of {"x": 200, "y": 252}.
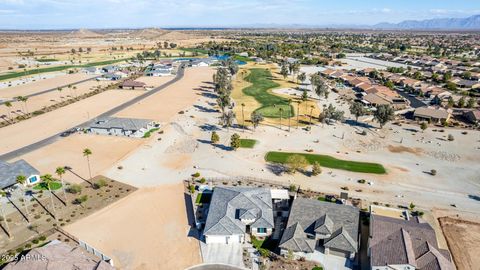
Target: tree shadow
{"x": 275, "y": 168}
{"x": 209, "y": 127}
{"x": 205, "y": 109}
{"x": 209, "y": 95}
{"x": 77, "y": 175}
{"x": 474, "y": 197}
{"x": 354, "y": 123}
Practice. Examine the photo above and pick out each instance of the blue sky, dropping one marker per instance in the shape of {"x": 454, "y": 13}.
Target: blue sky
{"x": 65, "y": 14}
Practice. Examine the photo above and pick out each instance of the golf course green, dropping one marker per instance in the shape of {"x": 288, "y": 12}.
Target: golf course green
{"x": 261, "y": 80}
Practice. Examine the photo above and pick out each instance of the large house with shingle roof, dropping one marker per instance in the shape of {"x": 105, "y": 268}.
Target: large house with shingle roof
{"x": 405, "y": 245}
{"x": 236, "y": 211}
{"x": 10, "y": 171}
{"x": 316, "y": 226}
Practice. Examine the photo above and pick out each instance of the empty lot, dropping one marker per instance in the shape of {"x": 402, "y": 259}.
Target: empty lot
{"x": 143, "y": 231}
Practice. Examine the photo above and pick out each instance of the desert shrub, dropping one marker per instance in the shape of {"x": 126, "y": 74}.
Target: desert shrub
{"x": 100, "y": 183}
{"x": 74, "y": 189}
{"x": 433, "y": 172}
{"x": 196, "y": 175}
{"x": 450, "y": 137}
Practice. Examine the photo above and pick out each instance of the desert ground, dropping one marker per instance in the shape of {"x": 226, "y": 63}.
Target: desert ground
{"x": 68, "y": 152}
{"x": 171, "y": 100}
{"x": 41, "y": 85}
{"x": 154, "y": 81}
{"x": 147, "y": 230}
{"x": 45, "y": 125}
{"x": 463, "y": 238}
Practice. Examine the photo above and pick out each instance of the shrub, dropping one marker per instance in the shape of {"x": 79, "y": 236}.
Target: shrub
{"x": 191, "y": 188}
{"x": 433, "y": 172}
{"x": 42, "y": 238}
{"x": 450, "y": 137}
{"x": 74, "y": 189}
{"x": 203, "y": 180}
{"x": 362, "y": 181}
{"x": 100, "y": 183}
{"x": 196, "y": 175}
{"x": 295, "y": 163}
{"x": 293, "y": 187}
{"x": 316, "y": 169}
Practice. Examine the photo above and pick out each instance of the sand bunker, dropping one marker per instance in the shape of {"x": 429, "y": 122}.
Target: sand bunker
{"x": 403, "y": 149}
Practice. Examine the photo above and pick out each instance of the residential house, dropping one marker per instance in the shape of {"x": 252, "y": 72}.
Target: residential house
{"x": 237, "y": 211}
{"x": 92, "y": 70}
{"x": 432, "y": 114}
{"x": 116, "y": 126}
{"x": 466, "y": 84}
{"x": 10, "y": 171}
{"x": 57, "y": 255}
{"x": 473, "y": 116}
{"x": 109, "y": 77}
{"x": 317, "y": 226}
{"x": 131, "y": 84}
{"x": 109, "y": 69}
{"x": 396, "y": 243}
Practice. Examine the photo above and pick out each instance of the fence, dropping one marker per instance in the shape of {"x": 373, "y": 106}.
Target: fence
{"x": 96, "y": 252}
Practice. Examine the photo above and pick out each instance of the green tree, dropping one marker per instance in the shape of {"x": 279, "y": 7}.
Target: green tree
{"x": 235, "y": 141}
{"x": 7, "y": 226}
{"x": 424, "y": 126}
{"x": 316, "y": 169}
{"x": 296, "y": 163}
{"x": 256, "y": 118}
{"x": 87, "y": 153}
{"x": 21, "y": 180}
{"x": 461, "y": 102}
{"x": 384, "y": 114}
{"x": 284, "y": 71}
{"x": 389, "y": 84}
{"x": 214, "y": 138}
{"x": 48, "y": 180}
{"x": 8, "y": 104}
{"x": 60, "y": 171}
{"x": 302, "y": 77}
{"x": 243, "y": 116}
{"x": 357, "y": 109}
{"x": 411, "y": 206}
{"x": 450, "y": 102}
{"x": 471, "y": 102}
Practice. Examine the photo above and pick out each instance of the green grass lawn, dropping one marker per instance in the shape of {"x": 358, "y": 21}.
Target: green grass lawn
{"x": 247, "y": 143}
{"x": 57, "y": 68}
{"x": 149, "y": 133}
{"x": 271, "y": 104}
{"x": 329, "y": 162}
{"x": 43, "y": 186}
{"x": 203, "y": 198}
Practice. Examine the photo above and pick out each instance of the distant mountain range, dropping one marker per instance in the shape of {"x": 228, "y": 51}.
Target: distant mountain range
{"x": 470, "y": 23}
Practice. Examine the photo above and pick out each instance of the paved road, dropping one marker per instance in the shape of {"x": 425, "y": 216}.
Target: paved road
{"x": 51, "y": 139}
{"x": 52, "y": 89}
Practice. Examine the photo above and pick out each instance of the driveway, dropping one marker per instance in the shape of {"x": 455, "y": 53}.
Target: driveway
{"x": 222, "y": 253}
{"x": 330, "y": 262}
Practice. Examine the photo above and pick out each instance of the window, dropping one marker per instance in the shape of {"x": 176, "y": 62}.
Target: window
{"x": 261, "y": 230}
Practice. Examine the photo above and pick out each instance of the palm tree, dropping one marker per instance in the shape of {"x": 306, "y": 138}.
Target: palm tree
{"x": 4, "y": 194}
{"x": 281, "y": 114}
{"x": 311, "y": 113}
{"x": 86, "y": 153}
{"x": 289, "y": 110}
{"x": 8, "y": 104}
{"x": 60, "y": 171}
{"x": 243, "y": 117}
{"x": 21, "y": 179}
{"x": 48, "y": 180}
{"x": 298, "y": 112}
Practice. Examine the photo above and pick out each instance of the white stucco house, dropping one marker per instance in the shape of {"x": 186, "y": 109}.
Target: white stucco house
{"x": 115, "y": 126}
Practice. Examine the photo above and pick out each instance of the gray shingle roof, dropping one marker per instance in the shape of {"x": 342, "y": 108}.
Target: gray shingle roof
{"x": 10, "y": 171}
{"x": 229, "y": 204}
{"x": 122, "y": 123}
{"x": 395, "y": 241}
{"x": 313, "y": 216}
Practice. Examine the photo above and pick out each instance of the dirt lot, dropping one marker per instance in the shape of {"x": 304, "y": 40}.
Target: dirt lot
{"x": 106, "y": 151}
{"x": 463, "y": 239}
{"x": 154, "y": 81}
{"x": 173, "y": 98}
{"x": 42, "y": 214}
{"x": 38, "y": 102}
{"x": 43, "y": 126}
{"x": 142, "y": 231}
{"x": 34, "y": 87}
